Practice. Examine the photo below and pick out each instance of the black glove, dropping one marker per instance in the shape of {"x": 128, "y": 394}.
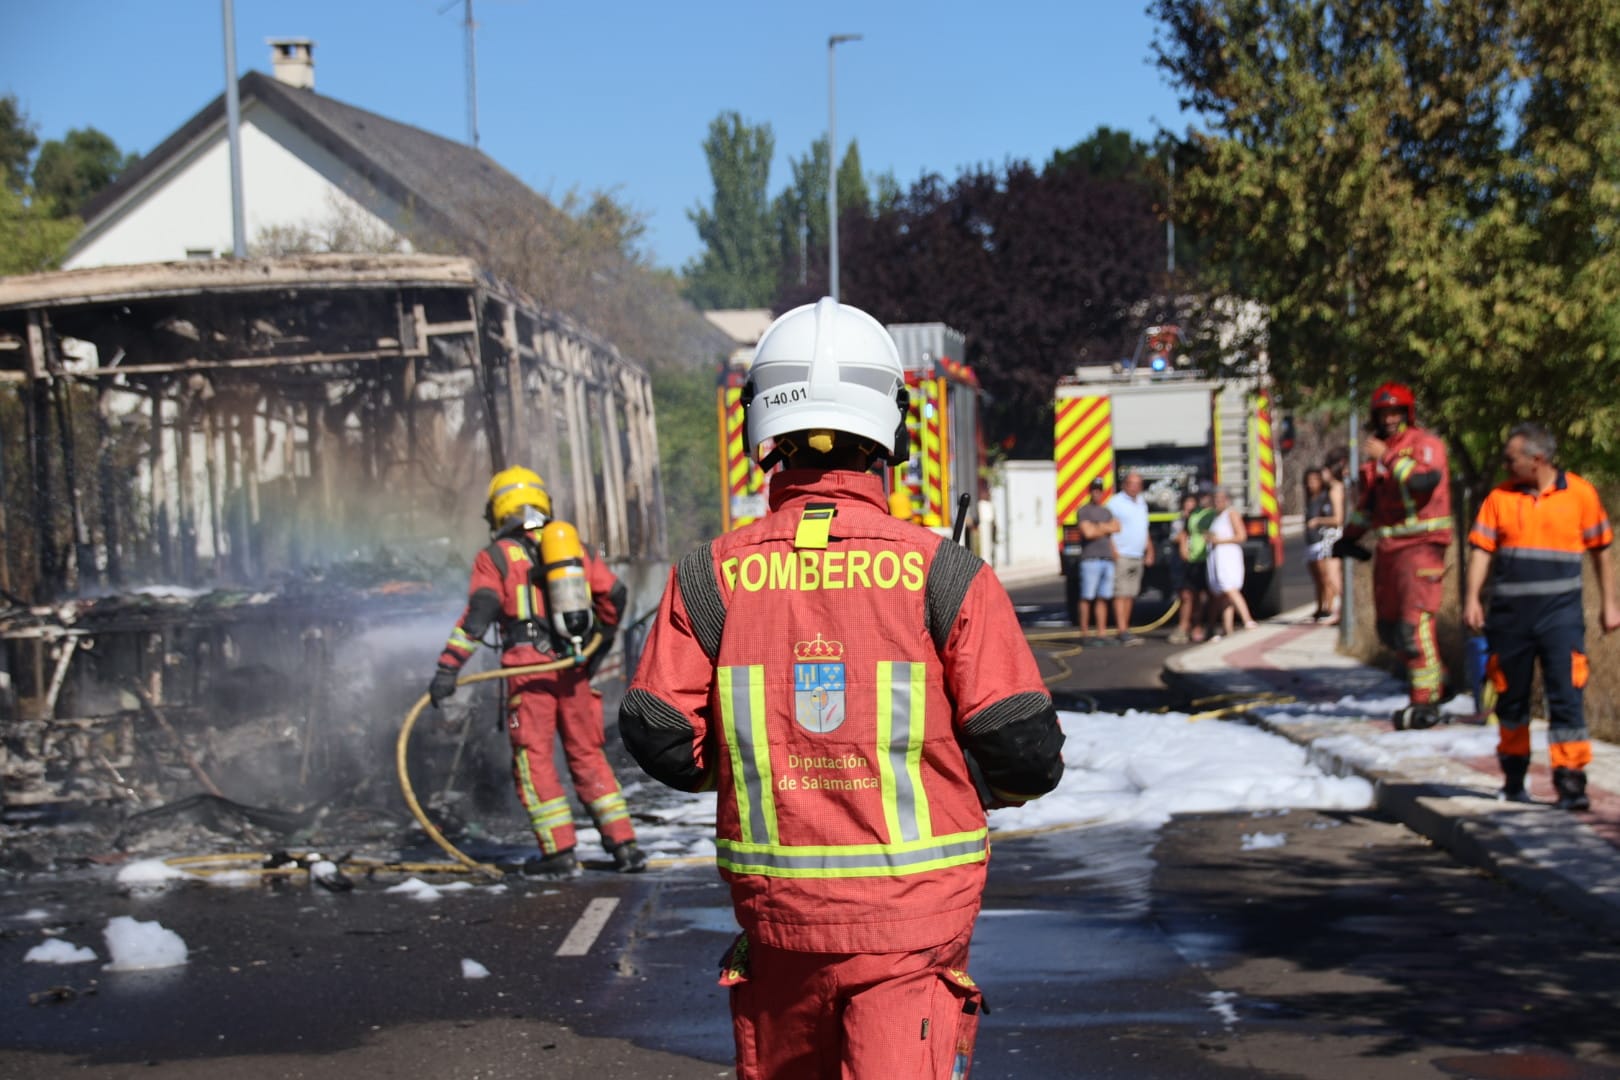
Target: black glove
{"x": 596, "y": 658}
{"x": 1346, "y": 548}
{"x": 443, "y": 685}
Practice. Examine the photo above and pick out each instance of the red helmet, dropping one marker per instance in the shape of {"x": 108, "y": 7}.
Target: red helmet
{"x": 1394, "y": 395}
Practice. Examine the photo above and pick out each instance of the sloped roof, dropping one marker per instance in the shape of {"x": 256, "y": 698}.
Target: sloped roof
{"x": 445, "y": 184}
{"x": 101, "y": 284}
{"x": 745, "y": 326}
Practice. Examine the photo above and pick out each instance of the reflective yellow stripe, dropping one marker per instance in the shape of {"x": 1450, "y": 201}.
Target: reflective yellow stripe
{"x": 742, "y": 720}
{"x": 901, "y": 713}
{"x": 853, "y": 860}
{"x": 460, "y": 640}
{"x": 1426, "y": 676}
{"x": 609, "y": 808}
{"x": 1413, "y": 527}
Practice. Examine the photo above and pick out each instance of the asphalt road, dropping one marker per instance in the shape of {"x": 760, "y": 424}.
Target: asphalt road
{"x": 1112, "y": 678}
{"x": 1343, "y": 947}
{"x": 1352, "y": 949}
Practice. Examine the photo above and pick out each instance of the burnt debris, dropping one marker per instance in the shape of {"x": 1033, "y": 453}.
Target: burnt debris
{"x": 237, "y": 500}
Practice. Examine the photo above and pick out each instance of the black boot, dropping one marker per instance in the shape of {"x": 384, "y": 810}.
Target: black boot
{"x": 1513, "y": 769}
{"x": 1571, "y": 787}
{"x": 556, "y": 867}
{"x": 1420, "y": 717}
{"x": 628, "y": 858}
{"x": 1415, "y": 717}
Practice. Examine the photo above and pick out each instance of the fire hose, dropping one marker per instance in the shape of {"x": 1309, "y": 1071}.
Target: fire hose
{"x": 403, "y": 742}
{"x": 1049, "y": 638}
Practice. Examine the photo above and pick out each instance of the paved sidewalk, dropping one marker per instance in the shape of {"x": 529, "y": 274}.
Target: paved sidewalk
{"x": 1442, "y": 782}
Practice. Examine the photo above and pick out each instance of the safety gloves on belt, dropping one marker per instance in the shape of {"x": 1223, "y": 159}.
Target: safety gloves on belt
{"x": 443, "y": 685}
{"x": 1346, "y": 548}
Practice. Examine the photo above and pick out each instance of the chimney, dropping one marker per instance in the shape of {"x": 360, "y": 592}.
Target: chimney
{"x": 293, "y": 60}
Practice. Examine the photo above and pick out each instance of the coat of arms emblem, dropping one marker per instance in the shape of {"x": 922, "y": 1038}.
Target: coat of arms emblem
{"x": 818, "y": 684}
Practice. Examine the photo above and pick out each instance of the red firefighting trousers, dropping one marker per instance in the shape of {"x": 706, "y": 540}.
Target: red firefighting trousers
{"x": 540, "y": 708}
{"x": 1406, "y": 596}
{"x": 890, "y": 1016}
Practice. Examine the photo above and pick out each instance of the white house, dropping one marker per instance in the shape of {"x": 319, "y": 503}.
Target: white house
{"x": 309, "y": 164}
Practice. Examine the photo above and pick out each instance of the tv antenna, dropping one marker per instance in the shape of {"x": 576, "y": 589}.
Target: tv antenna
{"x": 468, "y": 31}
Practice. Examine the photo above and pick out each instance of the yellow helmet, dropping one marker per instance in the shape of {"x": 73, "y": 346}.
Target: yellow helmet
{"x": 510, "y": 490}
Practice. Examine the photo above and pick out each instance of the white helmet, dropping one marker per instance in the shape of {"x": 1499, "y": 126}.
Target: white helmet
{"x": 831, "y": 367}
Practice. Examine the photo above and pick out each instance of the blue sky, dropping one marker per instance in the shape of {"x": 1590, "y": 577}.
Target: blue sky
{"x": 619, "y": 96}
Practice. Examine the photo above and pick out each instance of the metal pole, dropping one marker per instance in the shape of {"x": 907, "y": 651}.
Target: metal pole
{"x": 1347, "y": 630}
{"x": 1170, "y": 220}
{"x": 472, "y": 79}
{"x": 832, "y": 161}
{"x": 233, "y": 134}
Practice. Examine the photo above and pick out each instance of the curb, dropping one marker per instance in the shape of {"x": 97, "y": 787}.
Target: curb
{"x": 1548, "y": 854}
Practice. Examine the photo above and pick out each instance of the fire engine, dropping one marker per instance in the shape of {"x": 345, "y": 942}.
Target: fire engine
{"x": 1182, "y": 431}
{"x": 942, "y": 422}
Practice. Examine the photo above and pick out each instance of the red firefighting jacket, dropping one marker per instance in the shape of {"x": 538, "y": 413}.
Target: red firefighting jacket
{"x": 1402, "y": 503}
{"x": 504, "y": 591}
{"x": 838, "y": 674}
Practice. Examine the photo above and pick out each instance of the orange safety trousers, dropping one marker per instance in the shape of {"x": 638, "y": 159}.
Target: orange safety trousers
{"x": 819, "y": 1016}
{"x": 539, "y": 709}
{"x": 1406, "y": 597}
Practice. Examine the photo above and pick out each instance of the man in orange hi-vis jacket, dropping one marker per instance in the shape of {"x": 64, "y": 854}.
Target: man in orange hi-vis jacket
{"x": 843, "y": 678}
{"x": 1529, "y": 540}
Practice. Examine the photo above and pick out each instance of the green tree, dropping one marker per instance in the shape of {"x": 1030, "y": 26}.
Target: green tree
{"x": 1105, "y": 154}
{"x": 800, "y": 210}
{"x": 738, "y": 266}
{"x": 688, "y": 453}
{"x": 17, "y": 142}
{"x": 32, "y": 237}
{"x": 853, "y": 194}
{"x": 1419, "y": 191}
{"x": 70, "y": 170}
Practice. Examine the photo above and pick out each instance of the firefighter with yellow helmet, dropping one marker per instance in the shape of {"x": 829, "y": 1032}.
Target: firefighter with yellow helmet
{"x": 543, "y": 592}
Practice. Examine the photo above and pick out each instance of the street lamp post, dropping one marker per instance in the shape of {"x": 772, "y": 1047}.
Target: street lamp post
{"x": 233, "y": 133}
{"x": 832, "y": 161}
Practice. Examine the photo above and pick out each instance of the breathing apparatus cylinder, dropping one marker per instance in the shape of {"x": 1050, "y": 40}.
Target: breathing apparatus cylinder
{"x": 568, "y": 593}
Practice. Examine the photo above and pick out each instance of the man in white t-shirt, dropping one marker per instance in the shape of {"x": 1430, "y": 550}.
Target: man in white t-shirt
{"x": 1133, "y": 551}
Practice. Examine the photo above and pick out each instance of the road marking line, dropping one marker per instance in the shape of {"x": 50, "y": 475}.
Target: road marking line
{"x": 591, "y": 920}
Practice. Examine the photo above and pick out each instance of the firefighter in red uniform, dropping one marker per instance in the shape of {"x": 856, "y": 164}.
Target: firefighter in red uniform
{"x": 1529, "y": 539}
{"x": 858, "y": 689}
{"x": 1405, "y": 505}
{"x": 508, "y": 589}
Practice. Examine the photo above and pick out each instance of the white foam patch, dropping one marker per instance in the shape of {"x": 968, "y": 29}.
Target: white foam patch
{"x": 150, "y": 874}
{"x": 1220, "y": 1003}
{"x": 415, "y": 888}
{"x": 1141, "y": 768}
{"x": 472, "y": 969}
{"x": 142, "y": 946}
{"x": 234, "y": 879}
{"x": 57, "y": 951}
{"x": 1260, "y": 841}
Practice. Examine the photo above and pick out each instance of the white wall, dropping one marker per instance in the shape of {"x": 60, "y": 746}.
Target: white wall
{"x": 286, "y": 180}
{"x": 1023, "y": 498}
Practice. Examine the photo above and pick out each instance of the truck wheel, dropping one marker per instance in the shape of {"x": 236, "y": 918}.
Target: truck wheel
{"x": 1265, "y": 594}
{"x": 1071, "y": 596}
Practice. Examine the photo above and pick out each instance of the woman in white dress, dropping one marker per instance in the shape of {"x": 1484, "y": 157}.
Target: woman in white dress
{"x": 1226, "y": 562}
